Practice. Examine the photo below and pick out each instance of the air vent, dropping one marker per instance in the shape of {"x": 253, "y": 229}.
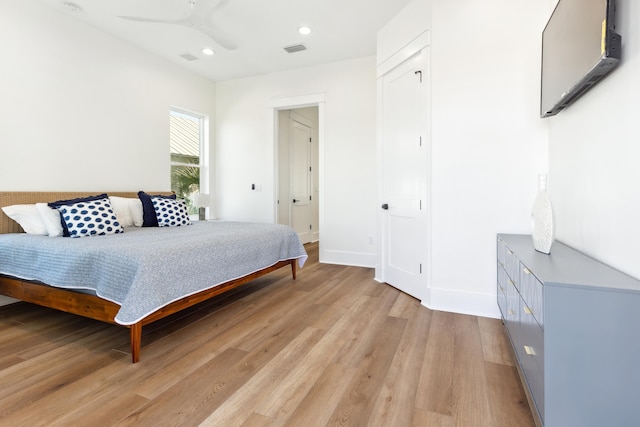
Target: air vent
{"x": 188, "y": 56}
{"x": 295, "y": 48}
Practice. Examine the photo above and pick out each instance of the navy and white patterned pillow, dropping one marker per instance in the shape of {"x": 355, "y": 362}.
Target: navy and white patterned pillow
{"x": 149, "y": 218}
{"x": 170, "y": 212}
{"x": 91, "y": 217}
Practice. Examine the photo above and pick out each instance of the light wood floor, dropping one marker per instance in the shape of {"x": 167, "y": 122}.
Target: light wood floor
{"x": 332, "y": 348}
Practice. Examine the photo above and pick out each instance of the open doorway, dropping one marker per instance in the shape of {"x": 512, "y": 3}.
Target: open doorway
{"x": 298, "y": 198}
{"x": 292, "y": 103}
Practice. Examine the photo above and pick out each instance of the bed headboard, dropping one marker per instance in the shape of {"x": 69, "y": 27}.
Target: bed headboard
{"x": 8, "y": 198}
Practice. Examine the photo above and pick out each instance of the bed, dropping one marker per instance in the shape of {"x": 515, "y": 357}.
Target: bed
{"x": 142, "y": 274}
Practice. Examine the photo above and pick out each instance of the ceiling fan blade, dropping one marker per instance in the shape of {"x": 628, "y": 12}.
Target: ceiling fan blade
{"x": 217, "y": 37}
{"x": 154, "y": 21}
{"x": 196, "y": 20}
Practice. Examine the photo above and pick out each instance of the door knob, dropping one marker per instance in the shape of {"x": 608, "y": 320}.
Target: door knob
{"x": 295, "y": 200}
{"x": 385, "y": 206}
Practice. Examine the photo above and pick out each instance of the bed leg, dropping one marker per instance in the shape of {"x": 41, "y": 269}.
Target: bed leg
{"x": 136, "y": 339}
{"x": 293, "y": 268}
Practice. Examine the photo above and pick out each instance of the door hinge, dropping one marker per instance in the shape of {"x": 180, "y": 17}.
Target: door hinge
{"x": 309, "y": 168}
{"x": 420, "y": 73}
{"x": 420, "y": 204}
{"x": 309, "y": 139}
{"x": 310, "y": 227}
{"x": 420, "y": 268}
{"x": 420, "y": 141}
{"x": 309, "y": 197}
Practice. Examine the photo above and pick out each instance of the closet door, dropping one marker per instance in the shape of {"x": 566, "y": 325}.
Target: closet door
{"x": 404, "y": 175}
{"x": 300, "y": 169}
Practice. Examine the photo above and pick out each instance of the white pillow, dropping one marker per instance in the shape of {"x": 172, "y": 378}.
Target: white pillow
{"x": 28, "y": 217}
{"x": 136, "y": 212}
{"x": 51, "y": 218}
{"x": 128, "y": 210}
{"x": 121, "y": 208}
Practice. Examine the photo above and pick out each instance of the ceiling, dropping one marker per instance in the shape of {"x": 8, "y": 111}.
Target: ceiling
{"x": 251, "y": 34}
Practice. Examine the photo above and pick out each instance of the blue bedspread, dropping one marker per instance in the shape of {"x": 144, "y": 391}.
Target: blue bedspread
{"x": 144, "y": 269}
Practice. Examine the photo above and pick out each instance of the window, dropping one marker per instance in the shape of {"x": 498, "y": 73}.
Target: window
{"x": 187, "y": 148}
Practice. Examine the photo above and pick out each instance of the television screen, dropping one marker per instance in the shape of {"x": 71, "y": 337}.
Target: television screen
{"x": 579, "y": 47}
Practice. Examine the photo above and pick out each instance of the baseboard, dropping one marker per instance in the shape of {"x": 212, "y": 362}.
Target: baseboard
{"x": 463, "y": 302}
{"x": 355, "y": 259}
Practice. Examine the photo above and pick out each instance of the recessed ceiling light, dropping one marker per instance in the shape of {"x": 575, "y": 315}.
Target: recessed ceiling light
{"x": 207, "y": 51}
{"x": 72, "y": 7}
{"x": 304, "y": 30}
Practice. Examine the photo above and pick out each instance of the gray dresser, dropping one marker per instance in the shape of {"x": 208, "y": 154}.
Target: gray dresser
{"x": 574, "y": 324}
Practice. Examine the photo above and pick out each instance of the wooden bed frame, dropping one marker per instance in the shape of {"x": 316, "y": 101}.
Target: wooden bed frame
{"x": 92, "y": 306}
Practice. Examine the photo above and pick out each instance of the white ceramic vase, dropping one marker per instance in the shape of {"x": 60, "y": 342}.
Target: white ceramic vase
{"x": 542, "y": 231}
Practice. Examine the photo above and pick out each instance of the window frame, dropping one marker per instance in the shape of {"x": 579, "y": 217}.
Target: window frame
{"x": 203, "y": 158}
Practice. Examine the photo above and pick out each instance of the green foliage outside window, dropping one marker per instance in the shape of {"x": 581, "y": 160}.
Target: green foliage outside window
{"x": 185, "y": 182}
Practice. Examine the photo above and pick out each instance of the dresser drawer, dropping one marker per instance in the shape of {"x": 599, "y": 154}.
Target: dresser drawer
{"x": 502, "y": 304}
{"x": 502, "y": 291}
{"x": 501, "y": 252}
{"x": 534, "y": 378}
{"x": 512, "y": 267}
{"x": 503, "y": 280}
{"x": 512, "y": 313}
{"x": 532, "y": 341}
{"x": 531, "y": 355}
{"x": 531, "y": 291}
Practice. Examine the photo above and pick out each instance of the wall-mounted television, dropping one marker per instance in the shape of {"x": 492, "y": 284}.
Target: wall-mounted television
{"x": 579, "y": 48}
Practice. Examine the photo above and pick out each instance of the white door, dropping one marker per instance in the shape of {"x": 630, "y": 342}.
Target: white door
{"x": 300, "y": 180}
{"x": 404, "y": 151}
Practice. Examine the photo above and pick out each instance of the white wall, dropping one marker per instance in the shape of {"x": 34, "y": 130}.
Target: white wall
{"x": 487, "y": 142}
{"x": 246, "y": 154}
{"x": 83, "y": 110}
{"x": 396, "y": 40}
{"x": 594, "y": 151}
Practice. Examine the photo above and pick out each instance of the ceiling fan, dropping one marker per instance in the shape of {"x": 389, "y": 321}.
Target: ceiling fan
{"x": 201, "y": 11}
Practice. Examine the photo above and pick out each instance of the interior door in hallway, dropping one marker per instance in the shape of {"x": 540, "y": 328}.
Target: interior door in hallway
{"x": 404, "y": 151}
{"x": 300, "y": 179}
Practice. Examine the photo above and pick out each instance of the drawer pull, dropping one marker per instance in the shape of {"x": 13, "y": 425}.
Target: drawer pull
{"x": 526, "y": 270}
{"x": 529, "y": 350}
{"x": 511, "y": 312}
{"x": 527, "y": 310}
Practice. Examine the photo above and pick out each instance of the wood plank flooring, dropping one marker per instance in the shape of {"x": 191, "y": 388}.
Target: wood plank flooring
{"x": 333, "y": 348}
